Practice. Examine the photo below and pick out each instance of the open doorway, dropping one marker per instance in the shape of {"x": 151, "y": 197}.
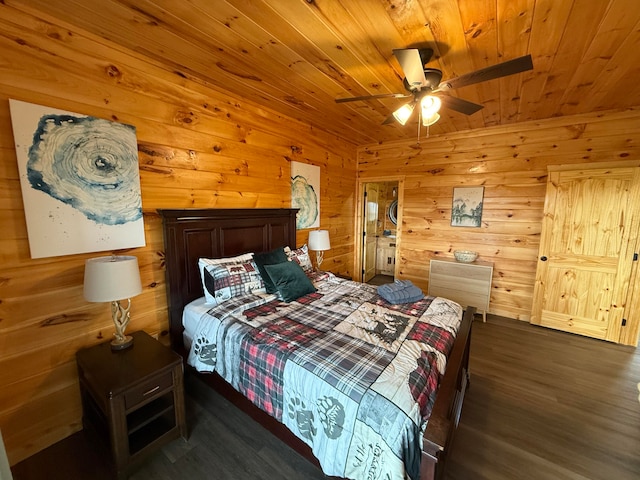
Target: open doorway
{"x": 379, "y": 219}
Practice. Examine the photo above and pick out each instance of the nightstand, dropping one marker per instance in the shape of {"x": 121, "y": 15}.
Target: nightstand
{"x": 134, "y": 398}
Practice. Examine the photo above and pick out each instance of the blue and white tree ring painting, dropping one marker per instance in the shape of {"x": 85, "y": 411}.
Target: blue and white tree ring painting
{"x": 466, "y": 210}
{"x": 80, "y": 181}
{"x": 305, "y": 194}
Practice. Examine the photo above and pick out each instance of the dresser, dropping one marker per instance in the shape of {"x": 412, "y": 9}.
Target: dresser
{"x": 468, "y": 284}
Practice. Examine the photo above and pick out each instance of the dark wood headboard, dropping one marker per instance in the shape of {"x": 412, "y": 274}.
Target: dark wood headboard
{"x": 190, "y": 234}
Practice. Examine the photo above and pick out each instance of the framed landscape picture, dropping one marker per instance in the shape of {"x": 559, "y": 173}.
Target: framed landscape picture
{"x": 466, "y": 210}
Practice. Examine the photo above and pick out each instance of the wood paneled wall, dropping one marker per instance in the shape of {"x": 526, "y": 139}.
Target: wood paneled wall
{"x": 198, "y": 147}
{"x": 511, "y": 163}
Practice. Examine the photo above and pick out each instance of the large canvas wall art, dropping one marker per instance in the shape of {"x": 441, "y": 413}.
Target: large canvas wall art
{"x": 305, "y": 194}
{"x": 80, "y": 181}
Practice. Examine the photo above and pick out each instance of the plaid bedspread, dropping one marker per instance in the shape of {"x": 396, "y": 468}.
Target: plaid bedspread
{"x": 350, "y": 374}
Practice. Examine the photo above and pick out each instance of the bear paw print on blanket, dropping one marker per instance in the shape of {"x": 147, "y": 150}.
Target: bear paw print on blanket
{"x": 206, "y": 352}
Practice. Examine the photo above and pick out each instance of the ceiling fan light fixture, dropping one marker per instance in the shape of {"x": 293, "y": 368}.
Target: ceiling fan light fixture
{"x": 421, "y": 83}
{"x": 427, "y": 121}
{"x": 403, "y": 114}
{"x": 430, "y": 106}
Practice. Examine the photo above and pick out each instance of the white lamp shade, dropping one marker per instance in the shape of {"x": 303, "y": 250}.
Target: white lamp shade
{"x": 319, "y": 240}
{"x": 107, "y": 279}
{"x": 403, "y": 113}
{"x": 430, "y": 105}
{"x": 427, "y": 121}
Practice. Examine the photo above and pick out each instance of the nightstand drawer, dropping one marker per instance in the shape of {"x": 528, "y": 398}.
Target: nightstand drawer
{"x": 148, "y": 390}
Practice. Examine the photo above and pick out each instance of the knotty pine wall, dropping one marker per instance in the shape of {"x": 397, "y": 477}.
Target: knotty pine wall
{"x": 198, "y": 147}
{"x": 511, "y": 163}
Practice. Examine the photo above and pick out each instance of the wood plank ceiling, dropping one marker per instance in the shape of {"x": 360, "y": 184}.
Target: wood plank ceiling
{"x": 296, "y": 56}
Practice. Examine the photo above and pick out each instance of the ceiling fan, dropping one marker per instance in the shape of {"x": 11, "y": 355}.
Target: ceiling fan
{"x": 425, "y": 86}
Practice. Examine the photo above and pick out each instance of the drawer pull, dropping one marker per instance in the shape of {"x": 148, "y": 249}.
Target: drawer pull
{"x": 150, "y": 388}
{"x": 149, "y": 392}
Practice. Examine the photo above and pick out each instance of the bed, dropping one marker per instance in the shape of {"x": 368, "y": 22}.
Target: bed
{"x": 193, "y": 234}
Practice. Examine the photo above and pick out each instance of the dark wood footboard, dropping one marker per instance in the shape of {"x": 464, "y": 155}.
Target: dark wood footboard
{"x": 448, "y": 406}
{"x": 214, "y": 233}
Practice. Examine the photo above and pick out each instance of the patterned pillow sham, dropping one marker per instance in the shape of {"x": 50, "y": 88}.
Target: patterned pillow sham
{"x": 301, "y": 257}
{"x": 226, "y": 278}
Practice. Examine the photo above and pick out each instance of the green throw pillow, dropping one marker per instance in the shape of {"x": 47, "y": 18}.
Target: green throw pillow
{"x": 269, "y": 258}
{"x": 290, "y": 280}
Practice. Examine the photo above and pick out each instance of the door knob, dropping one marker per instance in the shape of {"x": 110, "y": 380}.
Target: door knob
{"x": 543, "y": 258}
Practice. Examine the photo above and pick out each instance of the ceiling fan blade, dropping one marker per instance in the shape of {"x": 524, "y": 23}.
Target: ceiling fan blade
{"x": 371, "y": 97}
{"x": 510, "y": 67}
{"x": 389, "y": 119}
{"x": 411, "y": 63}
{"x": 460, "y": 105}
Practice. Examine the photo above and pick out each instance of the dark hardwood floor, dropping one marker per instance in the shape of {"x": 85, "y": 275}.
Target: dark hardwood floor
{"x": 381, "y": 279}
{"x": 542, "y": 405}
{"x": 545, "y": 404}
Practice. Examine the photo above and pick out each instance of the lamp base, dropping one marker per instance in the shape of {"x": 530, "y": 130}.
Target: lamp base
{"x": 121, "y": 343}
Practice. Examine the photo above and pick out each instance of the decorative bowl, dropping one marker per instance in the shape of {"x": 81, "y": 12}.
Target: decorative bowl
{"x": 465, "y": 256}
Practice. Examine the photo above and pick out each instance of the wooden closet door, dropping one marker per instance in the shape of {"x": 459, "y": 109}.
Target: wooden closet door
{"x": 589, "y": 230}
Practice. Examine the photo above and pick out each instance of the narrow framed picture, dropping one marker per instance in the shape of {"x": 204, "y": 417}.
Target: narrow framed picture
{"x": 466, "y": 210}
{"x": 305, "y": 194}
